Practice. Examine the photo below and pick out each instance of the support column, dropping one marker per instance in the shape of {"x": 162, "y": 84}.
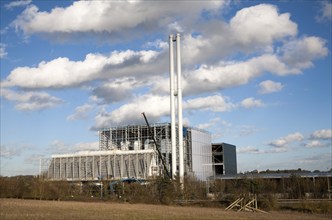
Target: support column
{"x": 179, "y": 93}
{"x": 172, "y": 105}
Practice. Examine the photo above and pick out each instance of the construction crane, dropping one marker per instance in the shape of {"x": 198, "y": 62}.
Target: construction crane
{"x": 157, "y": 146}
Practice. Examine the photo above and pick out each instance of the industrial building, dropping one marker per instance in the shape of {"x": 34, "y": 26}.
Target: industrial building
{"x": 129, "y": 151}
{"x": 141, "y": 151}
{"x": 224, "y": 159}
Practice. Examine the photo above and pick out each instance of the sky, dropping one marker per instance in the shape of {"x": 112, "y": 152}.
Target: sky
{"x": 256, "y": 74}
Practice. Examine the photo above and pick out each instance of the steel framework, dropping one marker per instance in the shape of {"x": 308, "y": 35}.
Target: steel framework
{"x": 128, "y": 151}
{"x": 100, "y": 165}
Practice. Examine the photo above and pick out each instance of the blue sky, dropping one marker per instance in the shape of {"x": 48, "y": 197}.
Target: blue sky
{"x": 256, "y": 74}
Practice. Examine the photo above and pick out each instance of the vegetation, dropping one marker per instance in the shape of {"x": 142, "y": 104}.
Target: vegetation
{"x": 160, "y": 190}
{"x": 156, "y": 191}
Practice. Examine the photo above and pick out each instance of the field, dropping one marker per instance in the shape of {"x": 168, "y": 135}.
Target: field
{"x": 36, "y": 209}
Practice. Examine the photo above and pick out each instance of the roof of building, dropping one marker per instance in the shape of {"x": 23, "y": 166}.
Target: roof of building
{"x": 273, "y": 175}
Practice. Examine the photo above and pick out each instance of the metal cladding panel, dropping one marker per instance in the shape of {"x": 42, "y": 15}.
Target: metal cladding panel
{"x": 230, "y": 163}
{"x": 201, "y": 154}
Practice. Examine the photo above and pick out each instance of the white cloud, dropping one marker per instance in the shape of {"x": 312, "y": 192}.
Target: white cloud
{"x": 209, "y": 124}
{"x": 157, "y": 44}
{"x": 230, "y": 74}
{"x": 31, "y": 101}
{"x": 81, "y": 112}
{"x": 62, "y": 72}
{"x": 269, "y": 86}
{"x": 300, "y": 53}
{"x": 261, "y": 24}
{"x": 128, "y": 70}
{"x": 251, "y": 103}
{"x": 251, "y": 30}
{"x": 316, "y": 144}
{"x": 118, "y": 89}
{"x": 15, "y": 4}
{"x": 322, "y": 134}
{"x": 325, "y": 13}
{"x": 284, "y": 141}
{"x": 3, "y": 52}
{"x": 196, "y": 49}
{"x": 216, "y": 103}
{"x": 154, "y": 107}
{"x": 129, "y": 17}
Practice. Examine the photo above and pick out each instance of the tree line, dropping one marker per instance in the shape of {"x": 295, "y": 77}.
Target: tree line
{"x": 164, "y": 191}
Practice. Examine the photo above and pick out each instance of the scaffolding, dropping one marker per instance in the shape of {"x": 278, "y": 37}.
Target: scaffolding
{"x": 137, "y": 137}
{"x": 129, "y": 151}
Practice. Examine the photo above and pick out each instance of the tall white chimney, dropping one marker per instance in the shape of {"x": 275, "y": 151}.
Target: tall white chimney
{"x": 172, "y": 105}
{"x": 177, "y": 93}
{"x": 180, "y": 126}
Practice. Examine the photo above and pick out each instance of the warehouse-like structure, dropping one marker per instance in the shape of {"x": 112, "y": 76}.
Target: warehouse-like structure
{"x": 129, "y": 152}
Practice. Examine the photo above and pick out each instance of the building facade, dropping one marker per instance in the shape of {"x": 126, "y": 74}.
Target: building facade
{"x": 224, "y": 159}
{"x": 129, "y": 151}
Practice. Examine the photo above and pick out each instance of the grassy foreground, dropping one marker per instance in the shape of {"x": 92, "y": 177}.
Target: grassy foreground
{"x": 36, "y": 209}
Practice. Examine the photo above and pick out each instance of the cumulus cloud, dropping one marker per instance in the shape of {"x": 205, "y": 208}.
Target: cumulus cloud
{"x": 213, "y": 78}
{"x": 270, "y": 26}
{"x": 251, "y": 30}
{"x": 269, "y": 86}
{"x": 322, "y": 134}
{"x": 153, "y": 105}
{"x": 15, "y": 4}
{"x": 263, "y": 19}
{"x": 62, "y": 72}
{"x": 157, "y": 106}
{"x": 80, "y": 112}
{"x": 283, "y": 142}
{"x": 216, "y": 103}
{"x": 132, "y": 17}
{"x": 315, "y": 144}
{"x": 118, "y": 89}
{"x": 251, "y": 103}
{"x": 31, "y": 101}
{"x": 122, "y": 72}
{"x": 325, "y": 12}
{"x": 300, "y": 53}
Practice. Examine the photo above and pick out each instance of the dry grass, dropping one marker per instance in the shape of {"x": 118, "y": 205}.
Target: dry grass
{"x": 35, "y": 209}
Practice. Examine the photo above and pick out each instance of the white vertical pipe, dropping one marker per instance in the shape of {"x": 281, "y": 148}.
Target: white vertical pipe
{"x": 172, "y": 105}
{"x": 179, "y": 91}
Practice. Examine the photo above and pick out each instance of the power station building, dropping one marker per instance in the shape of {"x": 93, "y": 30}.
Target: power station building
{"x": 129, "y": 151}
{"x": 139, "y": 152}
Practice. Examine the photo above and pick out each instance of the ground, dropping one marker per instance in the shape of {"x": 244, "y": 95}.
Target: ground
{"x": 36, "y": 209}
